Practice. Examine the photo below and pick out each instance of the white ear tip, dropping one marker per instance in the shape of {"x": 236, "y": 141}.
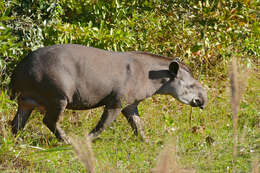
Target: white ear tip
{"x": 178, "y": 59}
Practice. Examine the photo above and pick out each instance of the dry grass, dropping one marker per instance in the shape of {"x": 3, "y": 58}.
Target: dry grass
{"x": 255, "y": 166}
{"x": 238, "y": 82}
{"x": 167, "y": 161}
{"x": 84, "y": 152}
{"x": 234, "y": 107}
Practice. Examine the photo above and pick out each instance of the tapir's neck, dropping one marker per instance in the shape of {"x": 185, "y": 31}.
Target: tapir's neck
{"x": 158, "y": 81}
{"x": 158, "y": 72}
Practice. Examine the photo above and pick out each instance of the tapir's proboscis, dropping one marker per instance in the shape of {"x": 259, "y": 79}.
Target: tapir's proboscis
{"x": 76, "y": 77}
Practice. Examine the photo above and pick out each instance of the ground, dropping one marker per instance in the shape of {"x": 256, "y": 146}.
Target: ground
{"x": 197, "y": 141}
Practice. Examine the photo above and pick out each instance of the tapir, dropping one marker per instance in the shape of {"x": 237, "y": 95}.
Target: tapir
{"x": 77, "y": 77}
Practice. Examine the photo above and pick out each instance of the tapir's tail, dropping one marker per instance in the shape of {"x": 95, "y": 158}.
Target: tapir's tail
{"x": 11, "y": 88}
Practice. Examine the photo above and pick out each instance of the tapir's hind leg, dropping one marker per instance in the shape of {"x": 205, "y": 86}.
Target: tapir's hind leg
{"x": 25, "y": 108}
{"x": 54, "y": 110}
{"x": 109, "y": 115}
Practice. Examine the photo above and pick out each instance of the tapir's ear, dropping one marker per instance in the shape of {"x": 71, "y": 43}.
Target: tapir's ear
{"x": 174, "y": 67}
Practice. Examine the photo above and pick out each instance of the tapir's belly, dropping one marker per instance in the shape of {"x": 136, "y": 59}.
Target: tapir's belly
{"x": 87, "y": 99}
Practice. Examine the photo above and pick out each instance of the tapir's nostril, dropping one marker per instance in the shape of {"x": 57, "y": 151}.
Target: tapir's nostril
{"x": 198, "y": 102}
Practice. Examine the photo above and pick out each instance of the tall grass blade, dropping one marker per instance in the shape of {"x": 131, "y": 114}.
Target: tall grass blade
{"x": 84, "y": 152}
{"x": 234, "y": 107}
{"x": 238, "y": 82}
{"x": 167, "y": 162}
{"x": 255, "y": 166}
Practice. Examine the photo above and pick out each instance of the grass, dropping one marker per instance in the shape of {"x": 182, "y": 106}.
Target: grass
{"x": 203, "y": 144}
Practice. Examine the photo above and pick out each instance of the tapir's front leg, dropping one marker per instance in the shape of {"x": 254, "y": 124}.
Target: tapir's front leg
{"x": 132, "y": 116}
{"x": 108, "y": 116}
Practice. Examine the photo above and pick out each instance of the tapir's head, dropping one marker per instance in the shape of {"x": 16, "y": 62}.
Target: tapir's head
{"x": 184, "y": 87}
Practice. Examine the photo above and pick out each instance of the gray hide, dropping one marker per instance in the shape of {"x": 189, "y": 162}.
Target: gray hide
{"x": 76, "y": 77}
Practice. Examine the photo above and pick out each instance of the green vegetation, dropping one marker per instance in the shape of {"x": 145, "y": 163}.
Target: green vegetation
{"x": 205, "y": 34}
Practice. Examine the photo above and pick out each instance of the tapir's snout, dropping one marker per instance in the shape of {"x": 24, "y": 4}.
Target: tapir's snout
{"x": 201, "y": 100}
{"x": 198, "y": 103}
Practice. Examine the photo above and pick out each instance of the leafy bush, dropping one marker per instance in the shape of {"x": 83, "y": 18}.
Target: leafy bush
{"x": 22, "y": 27}
{"x": 204, "y": 33}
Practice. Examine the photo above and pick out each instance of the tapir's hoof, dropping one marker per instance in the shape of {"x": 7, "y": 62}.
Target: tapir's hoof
{"x": 64, "y": 139}
{"x": 60, "y": 134}
{"x": 67, "y": 141}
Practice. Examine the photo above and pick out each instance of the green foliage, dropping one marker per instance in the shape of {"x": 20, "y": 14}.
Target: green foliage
{"x": 22, "y": 24}
{"x": 204, "y": 33}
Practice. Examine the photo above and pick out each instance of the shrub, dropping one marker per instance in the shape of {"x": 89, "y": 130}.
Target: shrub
{"x": 204, "y": 33}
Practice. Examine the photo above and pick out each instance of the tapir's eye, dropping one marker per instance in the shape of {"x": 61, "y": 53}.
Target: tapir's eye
{"x": 192, "y": 86}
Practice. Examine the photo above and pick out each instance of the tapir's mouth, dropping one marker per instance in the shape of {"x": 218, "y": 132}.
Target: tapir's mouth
{"x": 197, "y": 103}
